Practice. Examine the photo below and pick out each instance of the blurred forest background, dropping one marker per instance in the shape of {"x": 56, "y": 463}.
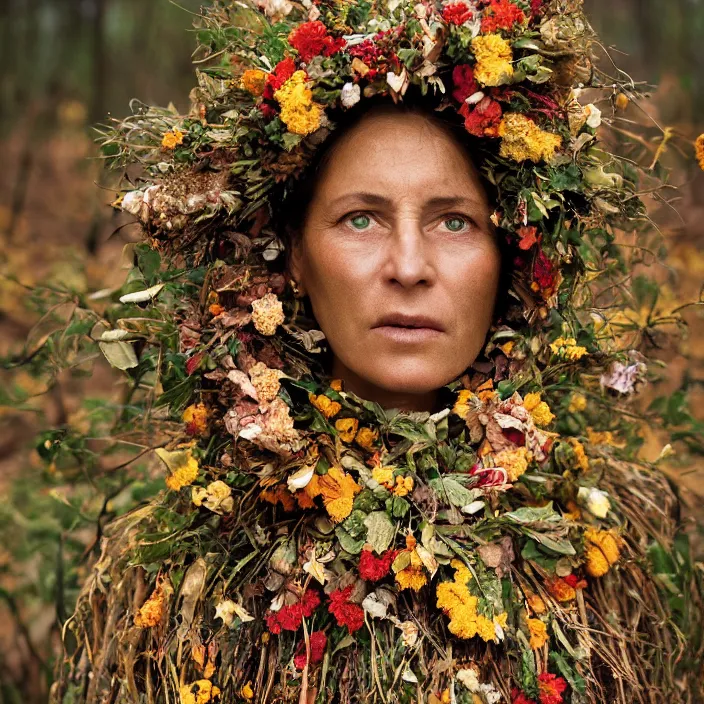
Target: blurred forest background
{"x": 67, "y": 64}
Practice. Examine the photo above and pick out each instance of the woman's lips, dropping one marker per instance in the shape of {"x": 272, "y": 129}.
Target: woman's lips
{"x": 405, "y": 335}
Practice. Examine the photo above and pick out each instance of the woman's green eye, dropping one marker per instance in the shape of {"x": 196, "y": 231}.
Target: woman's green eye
{"x": 458, "y": 224}
{"x": 364, "y": 218}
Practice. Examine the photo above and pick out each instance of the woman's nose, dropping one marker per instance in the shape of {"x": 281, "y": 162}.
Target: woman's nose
{"x": 408, "y": 257}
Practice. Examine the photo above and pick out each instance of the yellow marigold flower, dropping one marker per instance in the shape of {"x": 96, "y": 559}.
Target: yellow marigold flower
{"x": 461, "y": 407}
{"x": 247, "y": 692}
{"x": 699, "y": 150}
{"x": 493, "y": 54}
{"x": 411, "y": 577}
{"x": 515, "y": 462}
{"x": 152, "y": 611}
{"x": 337, "y": 489}
{"x": 265, "y": 381}
{"x": 298, "y": 111}
{"x": 538, "y": 633}
{"x": 366, "y": 437}
{"x": 445, "y": 697}
{"x": 347, "y": 428}
{"x": 602, "y": 551}
{"x": 561, "y": 590}
{"x": 182, "y": 465}
{"x": 603, "y": 437}
{"x": 267, "y": 314}
{"x": 200, "y": 692}
{"x": 537, "y": 604}
{"x": 253, "y": 81}
{"x": 336, "y": 384}
{"x": 172, "y": 138}
{"x": 622, "y": 101}
{"x": 577, "y": 403}
{"x": 539, "y": 410}
{"x": 523, "y": 140}
{"x": 196, "y": 419}
{"x": 580, "y": 455}
{"x": 567, "y": 348}
{"x": 486, "y": 629}
{"x": 383, "y": 475}
{"x": 325, "y": 405}
{"x": 404, "y": 486}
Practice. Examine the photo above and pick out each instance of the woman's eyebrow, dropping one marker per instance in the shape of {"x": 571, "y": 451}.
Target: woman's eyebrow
{"x": 375, "y": 199}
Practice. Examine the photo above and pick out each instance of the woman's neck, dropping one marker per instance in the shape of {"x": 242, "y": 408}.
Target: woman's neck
{"x": 403, "y": 400}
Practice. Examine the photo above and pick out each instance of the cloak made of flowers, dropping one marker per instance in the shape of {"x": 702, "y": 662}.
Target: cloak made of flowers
{"x": 311, "y": 546}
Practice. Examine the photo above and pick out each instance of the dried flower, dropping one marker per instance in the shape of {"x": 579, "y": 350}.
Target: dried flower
{"x": 493, "y": 54}
{"x": 265, "y": 381}
{"x": 366, "y": 437}
{"x": 253, "y": 81}
{"x": 337, "y": 489}
{"x": 267, "y": 314}
{"x": 699, "y": 150}
{"x": 515, "y": 462}
{"x": 567, "y": 348}
{"x": 196, "y": 419}
{"x": 602, "y": 551}
{"x": 502, "y": 14}
{"x": 577, "y": 403}
{"x": 596, "y": 500}
{"x": 523, "y": 140}
{"x": 172, "y": 139}
{"x": 200, "y": 692}
{"x": 347, "y": 428}
{"x": 217, "y": 497}
{"x": 538, "y": 633}
{"x": 318, "y": 642}
{"x": 374, "y": 568}
{"x": 182, "y": 465}
{"x": 539, "y": 410}
{"x": 325, "y": 405}
{"x": 346, "y": 612}
{"x": 298, "y": 111}
{"x": 152, "y": 611}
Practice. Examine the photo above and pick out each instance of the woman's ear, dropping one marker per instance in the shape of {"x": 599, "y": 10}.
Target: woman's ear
{"x": 295, "y": 263}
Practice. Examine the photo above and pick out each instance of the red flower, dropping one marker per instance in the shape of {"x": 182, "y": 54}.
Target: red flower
{"x": 312, "y": 39}
{"x": 281, "y": 73}
{"x": 575, "y": 582}
{"x": 484, "y": 120}
{"x": 544, "y": 272}
{"x": 501, "y": 14}
{"x": 457, "y": 12}
{"x": 318, "y": 641}
{"x": 345, "y": 612}
{"x": 463, "y": 80}
{"x": 551, "y": 688}
{"x": 377, "y": 53}
{"x": 487, "y": 477}
{"x": 518, "y": 697}
{"x": 536, "y": 7}
{"x": 289, "y": 617}
{"x": 374, "y": 568}
{"x": 528, "y": 236}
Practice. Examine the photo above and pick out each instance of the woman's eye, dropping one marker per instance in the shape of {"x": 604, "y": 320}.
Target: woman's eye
{"x": 360, "y": 221}
{"x": 455, "y": 223}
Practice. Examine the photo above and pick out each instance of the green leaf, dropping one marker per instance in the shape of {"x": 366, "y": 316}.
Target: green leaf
{"x": 380, "y": 530}
{"x": 121, "y": 355}
{"x": 452, "y": 492}
{"x": 349, "y": 544}
{"x": 561, "y": 546}
{"x": 532, "y": 514}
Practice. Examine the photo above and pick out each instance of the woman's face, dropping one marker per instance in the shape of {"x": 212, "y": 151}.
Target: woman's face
{"x": 399, "y": 226}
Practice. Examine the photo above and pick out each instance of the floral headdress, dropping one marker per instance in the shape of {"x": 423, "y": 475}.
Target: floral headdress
{"x": 313, "y": 546}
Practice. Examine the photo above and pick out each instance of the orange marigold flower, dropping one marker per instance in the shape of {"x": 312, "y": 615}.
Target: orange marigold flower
{"x": 366, "y": 437}
{"x": 253, "y": 81}
{"x": 325, "y": 405}
{"x": 347, "y": 428}
{"x": 152, "y": 611}
{"x": 279, "y": 494}
{"x": 404, "y": 486}
{"x": 560, "y": 590}
{"x": 538, "y": 633}
{"x": 537, "y": 604}
{"x": 172, "y": 138}
{"x": 699, "y": 150}
{"x": 336, "y": 384}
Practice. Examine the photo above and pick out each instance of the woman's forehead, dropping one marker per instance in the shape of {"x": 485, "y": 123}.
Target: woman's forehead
{"x": 389, "y": 152}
